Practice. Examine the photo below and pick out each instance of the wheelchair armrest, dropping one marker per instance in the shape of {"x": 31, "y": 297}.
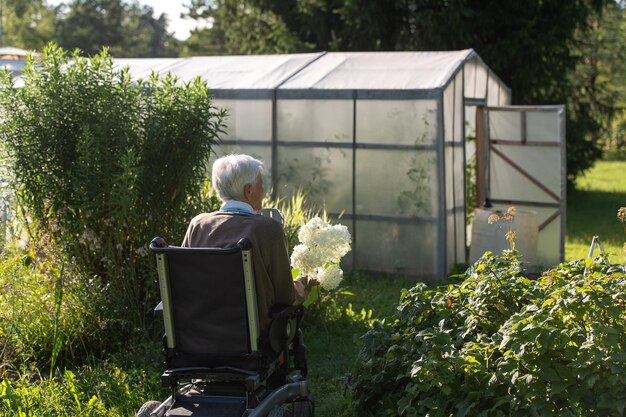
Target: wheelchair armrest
{"x": 280, "y": 311}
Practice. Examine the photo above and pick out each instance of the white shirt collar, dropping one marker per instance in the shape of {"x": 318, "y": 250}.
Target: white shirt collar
{"x": 237, "y": 205}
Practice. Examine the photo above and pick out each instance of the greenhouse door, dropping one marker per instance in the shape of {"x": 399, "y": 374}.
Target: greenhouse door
{"x": 521, "y": 163}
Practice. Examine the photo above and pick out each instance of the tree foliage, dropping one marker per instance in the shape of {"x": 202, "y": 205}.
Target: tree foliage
{"x": 27, "y": 24}
{"x": 126, "y": 29}
{"x": 238, "y": 28}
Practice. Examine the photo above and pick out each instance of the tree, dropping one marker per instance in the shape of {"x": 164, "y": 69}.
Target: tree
{"x": 146, "y": 35}
{"x": 599, "y": 84}
{"x": 238, "y": 27}
{"x": 127, "y": 29}
{"x": 27, "y": 24}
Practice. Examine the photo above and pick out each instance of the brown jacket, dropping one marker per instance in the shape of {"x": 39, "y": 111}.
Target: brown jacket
{"x": 270, "y": 259}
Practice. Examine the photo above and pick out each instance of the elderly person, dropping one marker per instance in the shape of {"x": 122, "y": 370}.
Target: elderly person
{"x": 239, "y": 184}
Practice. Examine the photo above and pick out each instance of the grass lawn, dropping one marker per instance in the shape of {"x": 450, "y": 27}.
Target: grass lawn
{"x": 592, "y": 210}
{"x": 332, "y": 348}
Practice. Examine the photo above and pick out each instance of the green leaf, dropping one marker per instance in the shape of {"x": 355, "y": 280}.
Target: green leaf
{"x": 311, "y": 298}
{"x": 549, "y": 374}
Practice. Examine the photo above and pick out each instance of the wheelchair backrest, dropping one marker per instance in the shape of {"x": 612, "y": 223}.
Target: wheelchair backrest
{"x": 209, "y": 301}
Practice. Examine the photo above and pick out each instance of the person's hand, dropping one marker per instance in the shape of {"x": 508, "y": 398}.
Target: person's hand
{"x": 310, "y": 282}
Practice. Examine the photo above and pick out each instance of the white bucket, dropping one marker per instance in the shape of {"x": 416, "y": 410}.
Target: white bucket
{"x": 491, "y": 237}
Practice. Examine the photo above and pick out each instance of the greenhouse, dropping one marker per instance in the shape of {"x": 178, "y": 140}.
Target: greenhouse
{"x": 378, "y": 139}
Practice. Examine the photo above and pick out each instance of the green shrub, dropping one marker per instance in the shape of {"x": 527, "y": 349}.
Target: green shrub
{"x": 101, "y": 163}
{"x": 499, "y": 344}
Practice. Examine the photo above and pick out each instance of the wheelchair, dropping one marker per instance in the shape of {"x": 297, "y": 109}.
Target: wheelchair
{"x": 218, "y": 363}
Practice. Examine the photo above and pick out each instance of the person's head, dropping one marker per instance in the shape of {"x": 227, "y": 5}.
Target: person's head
{"x": 239, "y": 177}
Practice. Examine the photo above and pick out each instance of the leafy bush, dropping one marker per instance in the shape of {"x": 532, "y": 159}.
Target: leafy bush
{"x": 499, "y": 344}
{"x": 101, "y": 163}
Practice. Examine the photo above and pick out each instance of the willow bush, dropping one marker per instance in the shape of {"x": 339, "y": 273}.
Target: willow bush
{"x": 100, "y": 163}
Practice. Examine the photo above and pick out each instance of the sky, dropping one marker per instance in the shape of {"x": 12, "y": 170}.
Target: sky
{"x": 172, "y": 8}
{"x": 180, "y": 27}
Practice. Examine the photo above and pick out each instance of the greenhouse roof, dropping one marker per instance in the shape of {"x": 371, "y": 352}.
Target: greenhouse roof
{"x": 314, "y": 71}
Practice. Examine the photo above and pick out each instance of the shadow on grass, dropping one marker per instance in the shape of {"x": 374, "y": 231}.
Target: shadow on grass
{"x": 591, "y": 213}
{"x": 333, "y": 338}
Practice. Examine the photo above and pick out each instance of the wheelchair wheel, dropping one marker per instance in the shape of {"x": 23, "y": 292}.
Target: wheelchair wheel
{"x": 147, "y": 408}
{"x": 279, "y": 412}
{"x": 302, "y": 409}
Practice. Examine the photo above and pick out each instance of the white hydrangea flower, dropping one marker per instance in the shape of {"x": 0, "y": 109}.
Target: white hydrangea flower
{"x": 308, "y": 233}
{"x": 330, "y": 277}
{"x": 321, "y": 244}
{"x": 306, "y": 260}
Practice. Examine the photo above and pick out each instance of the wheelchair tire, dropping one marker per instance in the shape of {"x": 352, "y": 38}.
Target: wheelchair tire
{"x": 279, "y": 412}
{"x": 302, "y": 409}
{"x": 147, "y": 408}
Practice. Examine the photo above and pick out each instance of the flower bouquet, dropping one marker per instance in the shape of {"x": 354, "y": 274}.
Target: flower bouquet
{"x": 321, "y": 248}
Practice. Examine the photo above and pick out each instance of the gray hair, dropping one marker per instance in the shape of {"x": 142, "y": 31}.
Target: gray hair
{"x": 231, "y": 173}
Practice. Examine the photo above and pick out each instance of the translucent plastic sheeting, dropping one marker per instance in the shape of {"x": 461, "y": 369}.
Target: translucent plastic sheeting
{"x": 448, "y": 113}
{"x": 242, "y": 72}
{"x": 459, "y": 176}
{"x": 454, "y": 163}
{"x": 459, "y": 107}
{"x": 505, "y": 125}
{"x": 461, "y": 230}
{"x": 142, "y": 67}
{"x": 347, "y": 262}
{"x": 542, "y": 127}
{"x": 469, "y": 72}
{"x": 455, "y": 205}
{"x": 315, "y": 120}
{"x": 247, "y": 119}
{"x": 493, "y": 91}
{"x": 480, "y": 81}
{"x": 542, "y": 163}
{"x": 403, "y": 122}
{"x": 450, "y": 240}
{"x": 470, "y": 121}
{"x": 325, "y": 174}
{"x": 391, "y": 182}
{"x": 379, "y": 70}
{"x": 455, "y": 247}
{"x": 527, "y": 168}
{"x": 449, "y": 175}
{"x": 397, "y": 248}
{"x": 548, "y": 242}
{"x": 505, "y": 96}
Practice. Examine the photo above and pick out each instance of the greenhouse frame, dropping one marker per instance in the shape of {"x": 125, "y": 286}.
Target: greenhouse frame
{"x": 375, "y": 138}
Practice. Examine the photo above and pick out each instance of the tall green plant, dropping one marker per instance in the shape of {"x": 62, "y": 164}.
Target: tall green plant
{"x": 296, "y": 212}
{"x": 101, "y": 163}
